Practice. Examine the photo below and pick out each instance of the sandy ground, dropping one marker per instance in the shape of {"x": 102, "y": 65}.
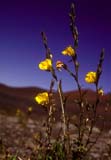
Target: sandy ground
{"x": 17, "y": 138}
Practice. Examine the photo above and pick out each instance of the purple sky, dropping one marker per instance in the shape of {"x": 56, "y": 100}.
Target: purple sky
{"x": 21, "y": 47}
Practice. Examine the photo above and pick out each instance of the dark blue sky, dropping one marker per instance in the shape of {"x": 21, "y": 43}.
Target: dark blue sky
{"x": 21, "y": 47}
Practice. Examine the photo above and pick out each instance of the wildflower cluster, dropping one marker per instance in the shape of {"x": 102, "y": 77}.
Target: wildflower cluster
{"x": 65, "y": 147}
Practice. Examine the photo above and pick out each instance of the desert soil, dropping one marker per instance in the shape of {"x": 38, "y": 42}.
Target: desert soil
{"x": 17, "y": 138}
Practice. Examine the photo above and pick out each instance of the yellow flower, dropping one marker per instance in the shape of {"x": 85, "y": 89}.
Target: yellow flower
{"x": 100, "y": 92}
{"x": 69, "y": 51}
{"x": 46, "y": 65}
{"x": 30, "y": 109}
{"x": 18, "y": 112}
{"x": 59, "y": 65}
{"x": 91, "y": 77}
{"x": 42, "y": 98}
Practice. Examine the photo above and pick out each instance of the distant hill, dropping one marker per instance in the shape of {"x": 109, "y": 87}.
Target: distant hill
{"x": 103, "y": 109}
{"x": 13, "y": 98}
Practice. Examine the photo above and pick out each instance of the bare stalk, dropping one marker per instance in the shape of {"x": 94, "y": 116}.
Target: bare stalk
{"x": 62, "y": 107}
{"x": 94, "y": 119}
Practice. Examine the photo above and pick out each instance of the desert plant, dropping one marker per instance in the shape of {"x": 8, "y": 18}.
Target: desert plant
{"x": 64, "y": 147}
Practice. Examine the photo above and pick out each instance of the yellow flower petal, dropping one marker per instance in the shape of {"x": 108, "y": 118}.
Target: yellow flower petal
{"x": 42, "y": 98}
{"x": 91, "y": 77}
{"x": 69, "y": 51}
{"x": 46, "y": 65}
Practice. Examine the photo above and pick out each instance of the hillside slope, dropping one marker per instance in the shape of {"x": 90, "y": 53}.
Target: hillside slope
{"x": 13, "y": 98}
